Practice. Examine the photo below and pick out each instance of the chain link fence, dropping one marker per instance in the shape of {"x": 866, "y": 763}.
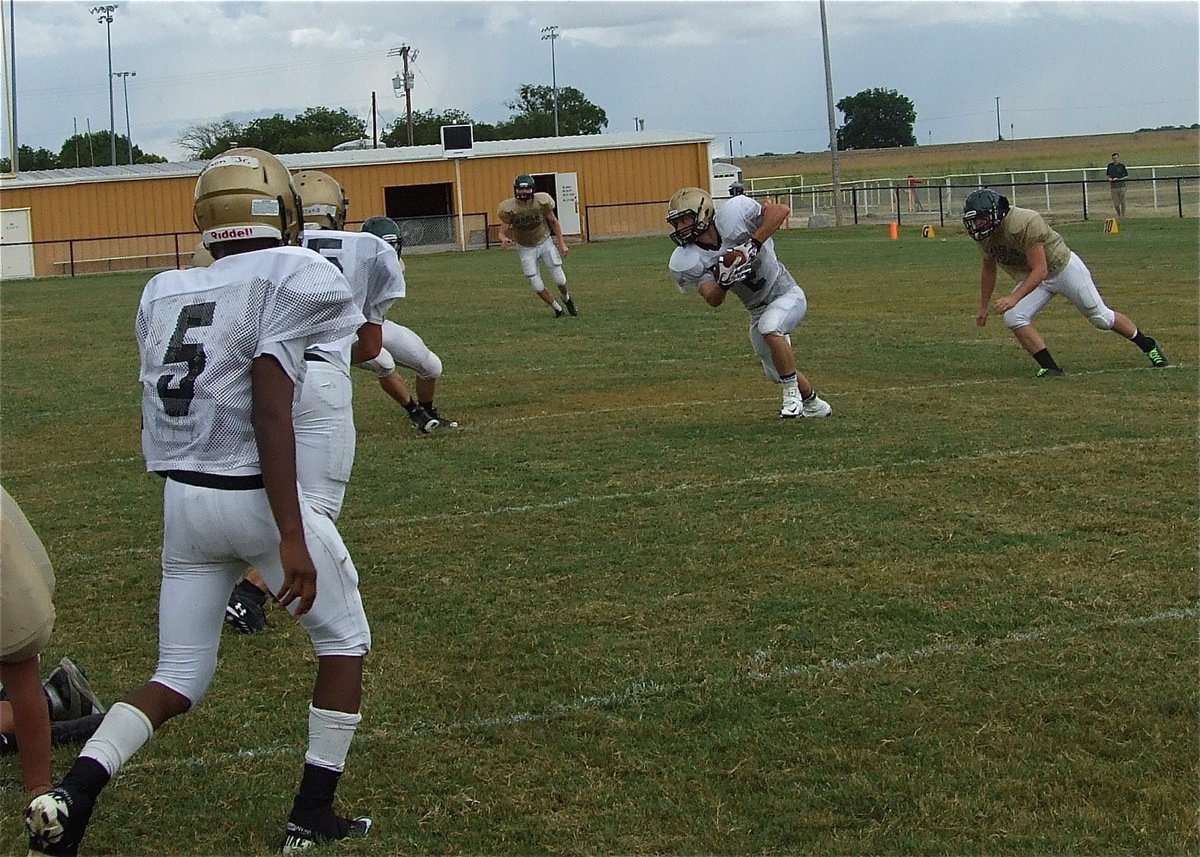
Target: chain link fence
{"x": 878, "y": 202}
{"x": 73, "y": 257}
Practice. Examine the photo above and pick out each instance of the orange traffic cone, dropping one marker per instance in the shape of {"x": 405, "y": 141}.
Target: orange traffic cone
{"x": 894, "y": 230}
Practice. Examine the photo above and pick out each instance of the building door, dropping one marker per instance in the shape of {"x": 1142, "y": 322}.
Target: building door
{"x": 422, "y": 211}
{"x": 564, "y": 188}
{"x": 568, "y": 202}
{"x": 15, "y": 262}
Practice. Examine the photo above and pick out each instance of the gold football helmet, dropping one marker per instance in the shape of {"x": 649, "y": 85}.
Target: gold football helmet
{"x": 246, "y": 193}
{"x": 695, "y": 202}
{"x": 323, "y": 199}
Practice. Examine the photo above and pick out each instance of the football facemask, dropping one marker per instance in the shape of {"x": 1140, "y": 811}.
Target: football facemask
{"x": 690, "y": 212}
{"x": 523, "y": 187}
{"x": 982, "y": 212}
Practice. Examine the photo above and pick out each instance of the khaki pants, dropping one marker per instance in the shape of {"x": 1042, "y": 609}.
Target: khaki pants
{"x": 26, "y": 586}
{"x": 1118, "y": 195}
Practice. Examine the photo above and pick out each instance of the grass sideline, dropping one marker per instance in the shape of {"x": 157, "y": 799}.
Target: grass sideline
{"x": 625, "y": 609}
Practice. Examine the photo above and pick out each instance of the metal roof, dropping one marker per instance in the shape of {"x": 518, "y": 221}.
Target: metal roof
{"x": 355, "y": 157}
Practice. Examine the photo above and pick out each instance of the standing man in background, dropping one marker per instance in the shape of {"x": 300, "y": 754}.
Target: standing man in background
{"x": 528, "y": 219}
{"x": 1116, "y": 182}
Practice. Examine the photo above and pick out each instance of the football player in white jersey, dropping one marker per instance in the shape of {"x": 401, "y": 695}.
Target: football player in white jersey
{"x": 222, "y": 350}
{"x": 324, "y": 420}
{"x": 731, "y": 250}
{"x": 408, "y": 349}
{"x": 323, "y": 417}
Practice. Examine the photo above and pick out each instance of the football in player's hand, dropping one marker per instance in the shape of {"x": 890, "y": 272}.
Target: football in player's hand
{"x": 735, "y": 263}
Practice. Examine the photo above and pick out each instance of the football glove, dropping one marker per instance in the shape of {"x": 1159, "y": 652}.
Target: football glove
{"x": 734, "y": 265}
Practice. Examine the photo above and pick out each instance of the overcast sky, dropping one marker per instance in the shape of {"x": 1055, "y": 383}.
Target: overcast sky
{"x": 750, "y": 72}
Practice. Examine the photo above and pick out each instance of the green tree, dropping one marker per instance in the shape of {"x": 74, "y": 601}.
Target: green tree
{"x": 427, "y": 127}
{"x": 95, "y": 150}
{"x": 876, "y": 119}
{"x": 205, "y": 141}
{"x": 31, "y": 159}
{"x": 534, "y": 106}
{"x": 317, "y": 129}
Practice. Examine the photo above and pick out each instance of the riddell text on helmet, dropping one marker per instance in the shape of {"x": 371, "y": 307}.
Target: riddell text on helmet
{"x": 231, "y": 233}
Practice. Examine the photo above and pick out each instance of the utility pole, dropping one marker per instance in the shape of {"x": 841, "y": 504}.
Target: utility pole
{"x": 125, "y": 75}
{"x": 551, "y": 33}
{"x": 106, "y": 18}
{"x": 405, "y": 82}
{"x": 833, "y": 147}
{"x": 10, "y": 85}
{"x": 999, "y": 136}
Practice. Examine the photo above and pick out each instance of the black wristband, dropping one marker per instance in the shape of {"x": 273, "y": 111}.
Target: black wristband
{"x": 757, "y": 244}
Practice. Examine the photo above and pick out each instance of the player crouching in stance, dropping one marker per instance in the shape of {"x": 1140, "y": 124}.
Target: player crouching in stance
{"x": 222, "y": 350}
{"x": 409, "y": 350}
{"x": 732, "y": 250}
{"x": 1020, "y": 241}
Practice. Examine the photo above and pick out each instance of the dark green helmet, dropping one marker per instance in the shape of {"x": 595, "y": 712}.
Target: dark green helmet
{"x": 983, "y": 211}
{"x": 523, "y": 187}
{"x": 385, "y": 228}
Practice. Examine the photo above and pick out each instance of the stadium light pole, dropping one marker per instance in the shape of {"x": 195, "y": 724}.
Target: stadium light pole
{"x": 10, "y": 85}
{"x": 105, "y": 17}
{"x": 125, "y": 75}
{"x": 551, "y": 33}
{"x": 833, "y": 149}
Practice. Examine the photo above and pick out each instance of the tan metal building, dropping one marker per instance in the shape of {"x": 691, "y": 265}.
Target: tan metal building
{"x": 84, "y": 220}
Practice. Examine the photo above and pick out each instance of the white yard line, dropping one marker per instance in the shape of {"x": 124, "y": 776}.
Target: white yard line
{"x": 639, "y": 689}
{"x": 790, "y": 476}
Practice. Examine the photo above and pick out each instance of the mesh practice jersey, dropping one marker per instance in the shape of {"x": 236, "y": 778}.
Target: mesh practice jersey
{"x": 527, "y": 217}
{"x": 198, "y": 332}
{"x": 691, "y": 265}
{"x": 373, "y": 270}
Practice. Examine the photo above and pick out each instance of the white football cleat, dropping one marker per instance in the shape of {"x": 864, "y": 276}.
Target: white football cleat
{"x": 816, "y": 407}
{"x": 792, "y": 406}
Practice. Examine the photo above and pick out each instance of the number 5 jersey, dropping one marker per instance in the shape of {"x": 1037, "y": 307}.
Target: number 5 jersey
{"x": 199, "y": 330}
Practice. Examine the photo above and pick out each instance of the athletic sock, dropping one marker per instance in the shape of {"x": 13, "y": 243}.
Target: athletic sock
{"x": 87, "y": 778}
{"x": 329, "y": 736}
{"x": 411, "y": 407}
{"x": 1146, "y": 343}
{"x": 1044, "y": 359}
{"x": 121, "y": 734}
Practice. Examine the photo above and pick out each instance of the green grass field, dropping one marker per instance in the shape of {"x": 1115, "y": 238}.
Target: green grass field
{"x": 624, "y": 609}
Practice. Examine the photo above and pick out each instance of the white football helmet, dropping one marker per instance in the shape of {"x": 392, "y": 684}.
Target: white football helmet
{"x": 325, "y": 203}
{"x": 246, "y": 193}
{"x": 693, "y": 201}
